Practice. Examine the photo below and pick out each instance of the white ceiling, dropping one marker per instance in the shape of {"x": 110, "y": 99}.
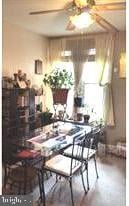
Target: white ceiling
{"x": 54, "y": 24}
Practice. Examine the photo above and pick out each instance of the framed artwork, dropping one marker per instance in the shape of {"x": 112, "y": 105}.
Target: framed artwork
{"x": 38, "y": 66}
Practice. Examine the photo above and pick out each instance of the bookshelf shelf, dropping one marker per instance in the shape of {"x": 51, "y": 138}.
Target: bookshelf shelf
{"x": 18, "y": 106}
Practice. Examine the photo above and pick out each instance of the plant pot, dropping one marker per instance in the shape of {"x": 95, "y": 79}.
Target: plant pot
{"x": 39, "y": 107}
{"x": 60, "y": 96}
{"x": 79, "y": 116}
{"x": 78, "y": 101}
{"x": 86, "y": 118}
{"x": 61, "y": 114}
{"x": 46, "y": 118}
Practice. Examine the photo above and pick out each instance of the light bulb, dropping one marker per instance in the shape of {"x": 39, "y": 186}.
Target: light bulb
{"x": 82, "y": 20}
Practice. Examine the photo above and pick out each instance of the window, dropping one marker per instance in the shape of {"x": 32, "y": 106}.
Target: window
{"x": 93, "y": 96}
{"x": 67, "y": 65}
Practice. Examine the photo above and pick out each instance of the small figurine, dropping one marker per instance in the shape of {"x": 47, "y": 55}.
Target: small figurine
{"x": 20, "y": 74}
{"x": 28, "y": 83}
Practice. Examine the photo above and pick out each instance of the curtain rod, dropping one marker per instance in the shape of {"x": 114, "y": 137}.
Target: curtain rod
{"x": 82, "y": 35}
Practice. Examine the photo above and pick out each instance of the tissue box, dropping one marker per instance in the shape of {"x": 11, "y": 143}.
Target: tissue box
{"x": 121, "y": 148}
{"x": 112, "y": 149}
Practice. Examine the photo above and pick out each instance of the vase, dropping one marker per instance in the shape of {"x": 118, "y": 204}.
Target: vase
{"x": 78, "y": 101}
{"x": 79, "y": 116}
{"x": 86, "y": 118}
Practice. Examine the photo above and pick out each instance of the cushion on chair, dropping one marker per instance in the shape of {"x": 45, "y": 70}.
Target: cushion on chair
{"x": 68, "y": 152}
{"x": 28, "y": 154}
{"x": 62, "y": 164}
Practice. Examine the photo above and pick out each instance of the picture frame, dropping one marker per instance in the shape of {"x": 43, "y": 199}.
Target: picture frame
{"x": 38, "y": 66}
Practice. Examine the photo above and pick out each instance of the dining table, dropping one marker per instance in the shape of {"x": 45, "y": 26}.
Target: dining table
{"x": 48, "y": 141}
{"x": 52, "y": 140}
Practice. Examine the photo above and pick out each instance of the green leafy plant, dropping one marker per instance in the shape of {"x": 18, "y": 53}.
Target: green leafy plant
{"x": 58, "y": 79}
{"x": 46, "y": 117}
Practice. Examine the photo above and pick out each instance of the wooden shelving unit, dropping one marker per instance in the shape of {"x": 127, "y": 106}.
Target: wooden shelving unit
{"x": 18, "y": 116}
{"x": 18, "y": 112}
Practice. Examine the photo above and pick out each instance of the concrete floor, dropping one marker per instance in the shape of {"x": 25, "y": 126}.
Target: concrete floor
{"x": 108, "y": 190}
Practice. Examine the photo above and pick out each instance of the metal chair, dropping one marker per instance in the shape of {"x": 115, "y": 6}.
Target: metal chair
{"x": 21, "y": 172}
{"x": 89, "y": 151}
{"x": 65, "y": 167}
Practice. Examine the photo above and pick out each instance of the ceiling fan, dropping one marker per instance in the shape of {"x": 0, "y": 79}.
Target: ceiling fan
{"x": 85, "y": 12}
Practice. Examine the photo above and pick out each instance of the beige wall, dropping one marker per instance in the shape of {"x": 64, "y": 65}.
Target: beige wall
{"x": 118, "y": 133}
{"x": 20, "y": 49}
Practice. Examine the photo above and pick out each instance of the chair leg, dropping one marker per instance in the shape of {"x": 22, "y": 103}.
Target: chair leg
{"x": 46, "y": 175}
{"x": 70, "y": 182}
{"x": 19, "y": 189}
{"x": 50, "y": 173}
{"x": 56, "y": 178}
{"x": 87, "y": 175}
{"x": 31, "y": 187}
{"x": 12, "y": 184}
{"x": 5, "y": 175}
{"x": 42, "y": 186}
{"x": 96, "y": 167}
{"x": 83, "y": 181}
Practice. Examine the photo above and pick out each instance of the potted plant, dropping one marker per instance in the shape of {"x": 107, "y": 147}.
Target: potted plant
{"x": 86, "y": 118}
{"x": 46, "y": 117}
{"x": 88, "y": 111}
{"x": 60, "y": 81}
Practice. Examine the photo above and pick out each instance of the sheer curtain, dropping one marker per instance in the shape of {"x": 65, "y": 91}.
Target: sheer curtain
{"x": 59, "y": 58}
{"x": 79, "y": 47}
{"x": 56, "y": 47}
{"x": 104, "y": 60}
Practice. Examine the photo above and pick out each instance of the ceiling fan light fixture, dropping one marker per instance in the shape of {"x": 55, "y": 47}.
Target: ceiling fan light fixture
{"x": 82, "y": 20}
{"x": 84, "y": 3}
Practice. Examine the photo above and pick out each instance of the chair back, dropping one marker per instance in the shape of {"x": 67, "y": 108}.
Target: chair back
{"x": 88, "y": 145}
{"x": 77, "y": 151}
{"x": 95, "y": 136}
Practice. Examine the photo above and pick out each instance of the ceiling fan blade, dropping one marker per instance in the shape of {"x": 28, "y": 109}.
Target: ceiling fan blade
{"x": 104, "y": 23}
{"x": 110, "y": 6}
{"x": 46, "y": 12}
{"x": 70, "y": 26}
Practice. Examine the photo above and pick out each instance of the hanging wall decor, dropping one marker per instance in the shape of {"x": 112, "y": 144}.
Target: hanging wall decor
{"x": 122, "y": 65}
{"x": 38, "y": 66}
